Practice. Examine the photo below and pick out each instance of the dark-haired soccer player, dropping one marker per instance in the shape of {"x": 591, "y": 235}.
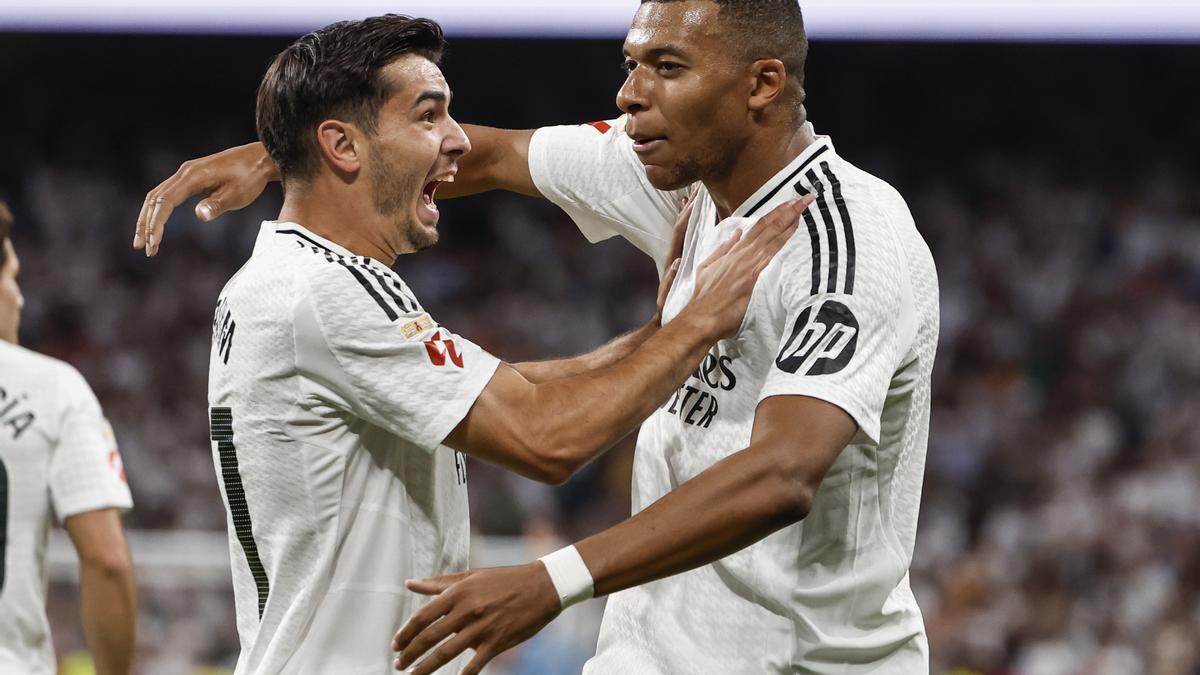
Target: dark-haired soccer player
{"x": 776, "y": 492}
{"x": 58, "y": 462}
{"x": 338, "y": 402}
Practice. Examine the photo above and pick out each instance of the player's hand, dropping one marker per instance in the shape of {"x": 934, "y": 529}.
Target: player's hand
{"x": 725, "y": 281}
{"x": 675, "y": 252}
{"x": 231, "y": 179}
{"x": 488, "y": 610}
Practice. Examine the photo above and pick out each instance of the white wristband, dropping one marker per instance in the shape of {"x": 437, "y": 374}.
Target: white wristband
{"x": 570, "y": 575}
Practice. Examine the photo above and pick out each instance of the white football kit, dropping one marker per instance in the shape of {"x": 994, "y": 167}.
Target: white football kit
{"x": 58, "y": 458}
{"x": 331, "y": 391}
{"x": 847, "y": 312}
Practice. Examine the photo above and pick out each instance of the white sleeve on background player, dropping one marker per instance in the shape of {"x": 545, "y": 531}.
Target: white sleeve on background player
{"x": 397, "y": 368}
{"x": 86, "y": 473}
{"x": 591, "y": 172}
{"x": 844, "y": 343}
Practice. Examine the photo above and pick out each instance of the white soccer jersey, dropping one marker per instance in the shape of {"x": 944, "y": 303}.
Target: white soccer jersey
{"x": 847, "y": 312}
{"x": 331, "y": 391}
{"x": 58, "y": 458}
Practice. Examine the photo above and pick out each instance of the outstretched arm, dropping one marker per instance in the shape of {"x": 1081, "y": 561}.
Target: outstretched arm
{"x": 232, "y": 179}
{"x": 106, "y": 588}
{"x": 624, "y": 345}
{"x": 548, "y": 430}
{"x": 765, "y": 487}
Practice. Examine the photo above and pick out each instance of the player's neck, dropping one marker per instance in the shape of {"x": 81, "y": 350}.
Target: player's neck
{"x": 353, "y": 224}
{"x": 765, "y": 155}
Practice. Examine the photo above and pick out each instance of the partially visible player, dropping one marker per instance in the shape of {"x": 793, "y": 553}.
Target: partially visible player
{"x": 338, "y": 404}
{"x": 58, "y": 462}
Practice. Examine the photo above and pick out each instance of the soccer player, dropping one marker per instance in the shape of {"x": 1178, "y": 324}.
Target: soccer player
{"x": 338, "y": 404}
{"x": 776, "y": 493}
{"x": 58, "y": 461}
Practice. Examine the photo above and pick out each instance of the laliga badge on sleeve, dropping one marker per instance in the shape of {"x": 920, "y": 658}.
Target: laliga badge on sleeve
{"x": 417, "y": 326}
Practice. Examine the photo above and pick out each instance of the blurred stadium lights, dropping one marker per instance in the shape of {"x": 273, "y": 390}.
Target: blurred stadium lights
{"x": 1018, "y": 20}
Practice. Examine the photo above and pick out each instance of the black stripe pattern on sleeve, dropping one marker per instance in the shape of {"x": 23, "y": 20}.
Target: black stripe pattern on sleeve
{"x": 400, "y": 300}
{"x": 844, "y": 213}
{"x": 353, "y": 266}
{"x": 814, "y": 241}
{"x": 831, "y": 238}
{"x": 838, "y": 227}
{"x": 221, "y": 432}
{"x": 791, "y": 176}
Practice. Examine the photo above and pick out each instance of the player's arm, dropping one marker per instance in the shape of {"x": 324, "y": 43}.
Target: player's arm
{"x": 232, "y": 179}
{"x": 498, "y": 160}
{"x": 548, "y": 430}
{"x": 624, "y": 345}
{"x": 106, "y": 585}
{"x": 538, "y": 372}
{"x": 765, "y": 487}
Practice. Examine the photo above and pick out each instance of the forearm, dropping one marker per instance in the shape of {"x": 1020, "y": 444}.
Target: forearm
{"x": 733, "y": 504}
{"x": 584, "y": 415}
{"x": 109, "y": 616}
{"x": 606, "y": 355}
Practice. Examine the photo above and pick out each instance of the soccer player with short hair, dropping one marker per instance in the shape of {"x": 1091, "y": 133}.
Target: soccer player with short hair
{"x": 776, "y": 493}
{"x": 339, "y": 405}
{"x": 58, "y": 462}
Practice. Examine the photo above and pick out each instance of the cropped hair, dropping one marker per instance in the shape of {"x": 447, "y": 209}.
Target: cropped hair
{"x": 334, "y": 73}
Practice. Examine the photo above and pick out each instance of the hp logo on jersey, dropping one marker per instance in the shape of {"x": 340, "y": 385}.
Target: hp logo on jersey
{"x": 820, "y": 345}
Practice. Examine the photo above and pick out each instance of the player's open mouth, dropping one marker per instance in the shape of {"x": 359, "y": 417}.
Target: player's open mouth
{"x": 427, "y": 195}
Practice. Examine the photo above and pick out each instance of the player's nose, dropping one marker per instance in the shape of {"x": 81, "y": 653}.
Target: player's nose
{"x": 631, "y": 96}
{"x": 456, "y": 144}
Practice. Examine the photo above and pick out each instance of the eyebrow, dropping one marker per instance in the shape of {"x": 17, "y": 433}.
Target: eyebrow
{"x": 431, "y": 95}
{"x": 664, "y": 50}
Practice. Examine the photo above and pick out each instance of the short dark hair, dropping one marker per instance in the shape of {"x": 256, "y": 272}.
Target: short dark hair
{"x": 334, "y": 72}
{"x": 6, "y": 223}
{"x": 767, "y": 28}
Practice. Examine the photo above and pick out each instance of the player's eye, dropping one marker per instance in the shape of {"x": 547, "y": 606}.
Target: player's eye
{"x": 428, "y": 116}
{"x": 668, "y": 67}
{"x": 628, "y": 65}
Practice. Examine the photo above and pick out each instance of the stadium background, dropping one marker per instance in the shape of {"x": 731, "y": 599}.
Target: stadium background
{"x": 1058, "y": 187}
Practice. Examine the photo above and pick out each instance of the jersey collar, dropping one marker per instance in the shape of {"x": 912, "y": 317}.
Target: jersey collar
{"x": 273, "y": 228}
{"x": 755, "y": 205}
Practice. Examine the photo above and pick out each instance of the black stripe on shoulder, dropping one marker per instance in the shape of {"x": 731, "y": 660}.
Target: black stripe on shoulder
{"x": 847, "y": 226}
{"x": 362, "y": 281}
{"x": 830, "y": 229}
{"x": 407, "y": 294}
{"x": 383, "y": 283}
{"x": 815, "y": 242}
{"x": 820, "y": 151}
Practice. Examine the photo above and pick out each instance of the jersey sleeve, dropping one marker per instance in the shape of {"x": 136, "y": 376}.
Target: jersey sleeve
{"x": 395, "y": 366}
{"x": 850, "y": 322}
{"x": 86, "y": 473}
{"x": 591, "y": 172}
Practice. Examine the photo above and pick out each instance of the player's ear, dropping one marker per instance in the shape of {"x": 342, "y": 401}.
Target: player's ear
{"x": 768, "y": 79}
{"x": 341, "y": 145}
